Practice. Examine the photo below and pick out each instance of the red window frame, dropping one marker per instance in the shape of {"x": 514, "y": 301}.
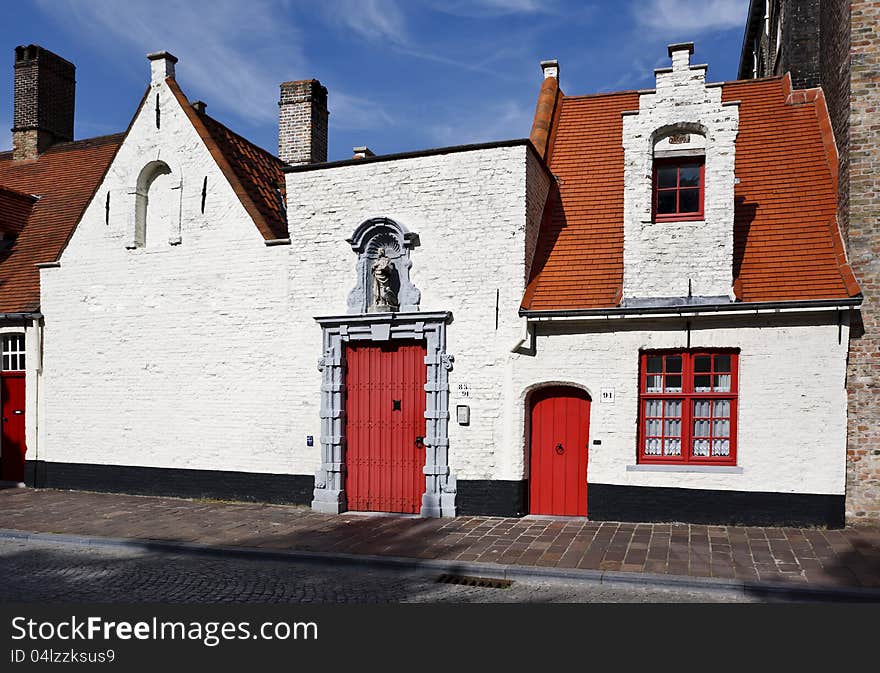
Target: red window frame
{"x": 689, "y": 395}
{"x": 678, "y": 216}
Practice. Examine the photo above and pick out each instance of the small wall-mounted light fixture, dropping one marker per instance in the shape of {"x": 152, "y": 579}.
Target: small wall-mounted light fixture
{"x": 310, "y": 440}
{"x": 463, "y": 414}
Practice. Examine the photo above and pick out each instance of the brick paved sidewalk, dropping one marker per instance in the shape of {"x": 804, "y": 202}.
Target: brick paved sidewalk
{"x": 843, "y": 558}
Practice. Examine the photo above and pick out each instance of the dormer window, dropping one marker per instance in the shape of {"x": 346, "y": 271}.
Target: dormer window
{"x": 678, "y": 188}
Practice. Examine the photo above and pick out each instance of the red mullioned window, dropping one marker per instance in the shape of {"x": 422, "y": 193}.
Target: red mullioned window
{"x": 678, "y": 188}
{"x": 687, "y": 406}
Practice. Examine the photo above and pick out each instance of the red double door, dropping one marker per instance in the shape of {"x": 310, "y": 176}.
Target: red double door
{"x": 12, "y": 446}
{"x": 560, "y": 430}
{"x": 385, "y": 427}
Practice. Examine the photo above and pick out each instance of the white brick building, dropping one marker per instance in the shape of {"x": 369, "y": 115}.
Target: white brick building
{"x": 614, "y": 318}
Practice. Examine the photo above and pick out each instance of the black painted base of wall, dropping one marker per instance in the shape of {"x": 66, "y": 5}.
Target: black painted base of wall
{"x": 288, "y": 489}
{"x": 491, "y": 497}
{"x": 607, "y": 502}
{"x": 476, "y": 497}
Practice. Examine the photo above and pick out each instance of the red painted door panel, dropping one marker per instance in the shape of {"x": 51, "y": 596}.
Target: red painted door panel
{"x": 12, "y": 448}
{"x": 560, "y": 430}
{"x": 385, "y": 414}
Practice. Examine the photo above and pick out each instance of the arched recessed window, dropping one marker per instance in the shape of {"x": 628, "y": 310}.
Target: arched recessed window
{"x": 154, "y": 203}
{"x": 679, "y": 173}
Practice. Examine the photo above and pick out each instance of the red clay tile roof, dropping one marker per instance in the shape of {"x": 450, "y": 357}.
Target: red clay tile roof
{"x": 579, "y": 260}
{"x": 787, "y": 245}
{"x": 15, "y": 209}
{"x": 254, "y": 173}
{"x": 63, "y": 179}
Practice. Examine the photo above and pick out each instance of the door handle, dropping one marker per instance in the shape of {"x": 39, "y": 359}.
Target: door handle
{"x": 560, "y": 449}
{"x": 420, "y": 442}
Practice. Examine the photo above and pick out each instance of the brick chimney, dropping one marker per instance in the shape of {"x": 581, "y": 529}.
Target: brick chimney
{"x": 45, "y": 85}
{"x": 302, "y": 122}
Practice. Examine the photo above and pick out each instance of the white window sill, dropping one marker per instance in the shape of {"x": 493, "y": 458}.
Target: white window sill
{"x": 694, "y": 469}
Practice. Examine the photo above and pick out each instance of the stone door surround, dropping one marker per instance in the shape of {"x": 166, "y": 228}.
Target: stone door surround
{"x": 429, "y": 327}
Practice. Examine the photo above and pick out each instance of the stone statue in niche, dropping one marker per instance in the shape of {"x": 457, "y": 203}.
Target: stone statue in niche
{"x": 383, "y": 285}
{"x": 384, "y": 297}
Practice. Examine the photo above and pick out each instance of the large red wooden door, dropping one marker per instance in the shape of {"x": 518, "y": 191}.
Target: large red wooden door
{"x": 12, "y": 447}
{"x": 385, "y": 426}
{"x": 558, "y": 455}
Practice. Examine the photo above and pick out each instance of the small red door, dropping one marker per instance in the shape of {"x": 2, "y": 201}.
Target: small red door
{"x": 12, "y": 447}
{"x": 385, "y": 426}
{"x": 558, "y": 455}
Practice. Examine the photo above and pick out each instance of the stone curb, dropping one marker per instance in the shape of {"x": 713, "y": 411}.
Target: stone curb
{"x": 488, "y": 570}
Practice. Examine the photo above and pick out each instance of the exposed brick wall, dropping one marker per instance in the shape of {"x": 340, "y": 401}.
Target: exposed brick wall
{"x": 800, "y": 48}
{"x": 863, "y": 452}
{"x": 302, "y": 122}
{"x": 846, "y": 35}
{"x": 834, "y": 76}
{"x": 44, "y": 100}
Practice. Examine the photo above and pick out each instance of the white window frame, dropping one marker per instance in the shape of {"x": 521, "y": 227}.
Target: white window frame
{"x": 13, "y": 351}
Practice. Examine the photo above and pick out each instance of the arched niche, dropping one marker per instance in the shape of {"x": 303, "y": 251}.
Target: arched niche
{"x": 682, "y": 139}
{"x": 372, "y": 240}
{"x": 157, "y": 206}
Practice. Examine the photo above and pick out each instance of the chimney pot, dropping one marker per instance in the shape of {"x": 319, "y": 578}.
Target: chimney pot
{"x": 302, "y": 122}
{"x": 550, "y": 68}
{"x": 199, "y": 106}
{"x": 362, "y": 152}
{"x": 44, "y": 101}
{"x": 161, "y": 66}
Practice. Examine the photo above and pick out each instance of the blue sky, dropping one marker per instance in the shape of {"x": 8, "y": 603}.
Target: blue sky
{"x": 402, "y": 74}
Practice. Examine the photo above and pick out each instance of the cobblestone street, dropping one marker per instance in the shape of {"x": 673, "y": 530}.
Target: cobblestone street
{"x": 805, "y": 557}
{"x": 46, "y": 572}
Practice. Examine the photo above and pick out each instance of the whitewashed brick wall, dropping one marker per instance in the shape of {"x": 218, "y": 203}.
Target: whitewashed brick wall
{"x": 203, "y": 354}
{"x": 470, "y": 211}
{"x": 168, "y": 355}
{"x": 660, "y": 258}
{"x": 792, "y": 400}
{"x": 537, "y": 187}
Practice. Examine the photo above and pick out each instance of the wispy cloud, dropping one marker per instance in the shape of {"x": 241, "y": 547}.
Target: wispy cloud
{"x": 371, "y": 19}
{"x": 490, "y": 8}
{"x": 498, "y": 121}
{"x": 383, "y": 22}
{"x": 222, "y": 50}
{"x": 690, "y": 16}
{"x": 352, "y": 113}
{"x": 233, "y": 55}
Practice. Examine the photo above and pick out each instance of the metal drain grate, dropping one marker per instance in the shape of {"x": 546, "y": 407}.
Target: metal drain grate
{"x": 471, "y": 581}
